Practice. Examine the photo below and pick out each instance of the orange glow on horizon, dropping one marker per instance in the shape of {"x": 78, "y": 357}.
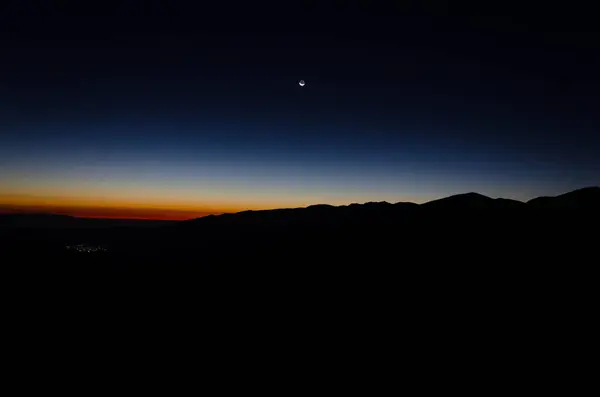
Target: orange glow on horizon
{"x": 111, "y": 213}
{"x": 150, "y": 207}
{"x": 111, "y": 210}
{"x": 121, "y": 208}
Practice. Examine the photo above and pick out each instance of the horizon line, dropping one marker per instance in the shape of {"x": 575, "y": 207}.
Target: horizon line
{"x": 15, "y": 210}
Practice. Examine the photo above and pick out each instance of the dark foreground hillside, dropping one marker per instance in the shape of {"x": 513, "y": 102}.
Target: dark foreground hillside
{"x": 463, "y": 278}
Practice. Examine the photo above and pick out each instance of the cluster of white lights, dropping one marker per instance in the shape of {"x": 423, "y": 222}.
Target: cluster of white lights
{"x": 86, "y": 248}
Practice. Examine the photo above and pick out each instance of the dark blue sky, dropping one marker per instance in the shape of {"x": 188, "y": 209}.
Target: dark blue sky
{"x": 407, "y": 103}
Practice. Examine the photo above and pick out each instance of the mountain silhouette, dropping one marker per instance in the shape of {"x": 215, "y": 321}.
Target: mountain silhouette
{"x": 385, "y": 258}
{"x": 378, "y": 226}
{"x": 472, "y": 201}
{"x": 471, "y": 229}
{"x": 586, "y": 198}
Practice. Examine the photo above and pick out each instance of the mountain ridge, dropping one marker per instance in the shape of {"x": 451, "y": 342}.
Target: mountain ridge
{"x": 471, "y": 200}
{"x": 584, "y": 198}
{"x": 469, "y": 229}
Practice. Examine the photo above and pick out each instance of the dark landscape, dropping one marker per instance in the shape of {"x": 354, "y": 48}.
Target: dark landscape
{"x": 466, "y": 270}
{"x": 462, "y": 237}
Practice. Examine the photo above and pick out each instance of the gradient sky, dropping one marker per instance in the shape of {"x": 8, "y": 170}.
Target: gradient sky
{"x": 157, "y": 112}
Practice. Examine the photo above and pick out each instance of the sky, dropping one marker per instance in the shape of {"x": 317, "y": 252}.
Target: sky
{"x": 148, "y": 110}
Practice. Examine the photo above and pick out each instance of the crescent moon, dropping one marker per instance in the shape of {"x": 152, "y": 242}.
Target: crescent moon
{"x": 302, "y": 83}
